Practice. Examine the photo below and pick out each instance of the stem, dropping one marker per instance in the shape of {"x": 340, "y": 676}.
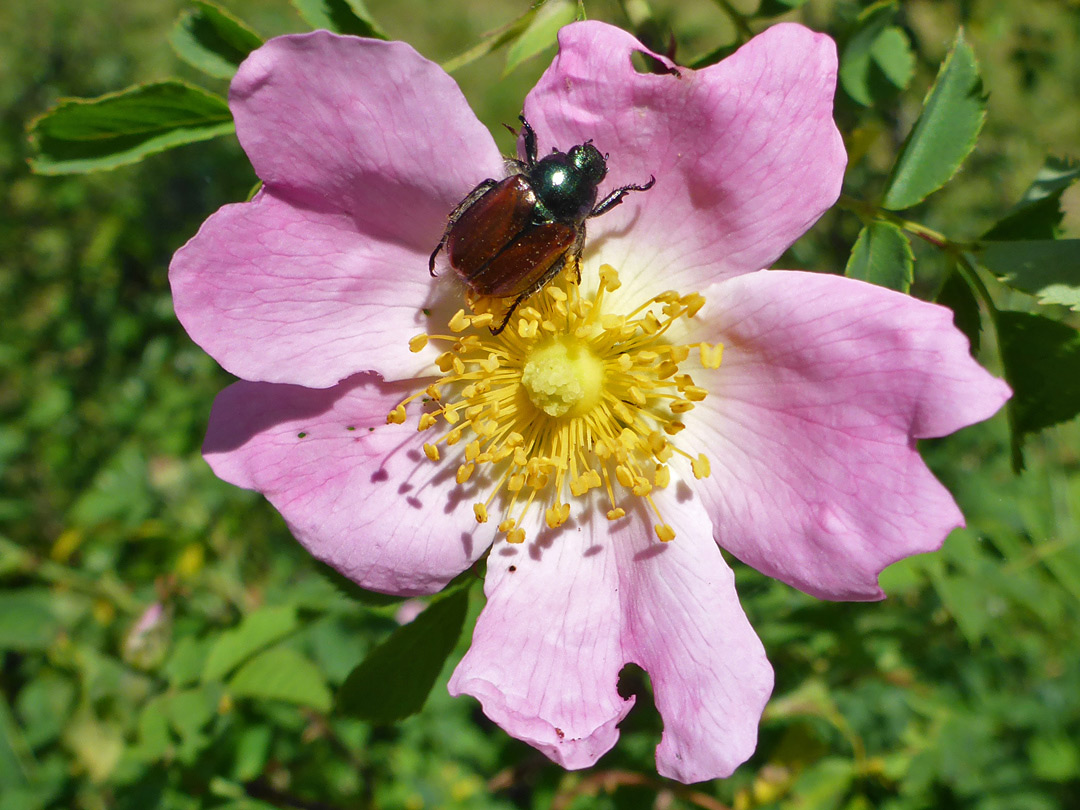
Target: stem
{"x": 738, "y": 19}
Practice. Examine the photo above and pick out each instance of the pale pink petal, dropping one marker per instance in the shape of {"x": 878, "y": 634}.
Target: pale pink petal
{"x": 684, "y": 626}
{"x": 280, "y": 293}
{"x": 566, "y": 612}
{"x": 358, "y": 493}
{"x": 811, "y": 424}
{"x": 362, "y": 126}
{"x": 745, "y": 153}
{"x": 545, "y": 654}
{"x": 364, "y": 147}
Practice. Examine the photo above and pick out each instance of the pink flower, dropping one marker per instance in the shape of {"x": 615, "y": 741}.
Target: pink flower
{"x": 774, "y": 413}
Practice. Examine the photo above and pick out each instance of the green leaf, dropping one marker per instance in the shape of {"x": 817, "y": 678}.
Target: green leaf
{"x": 877, "y": 62}
{"x": 541, "y": 33}
{"x": 281, "y": 673}
{"x": 211, "y": 39}
{"x": 339, "y": 16}
{"x": 189, "y": 710}
{"x": 1049, "y": 269}
{"x": 396, "y": 677}
{"x": 491, "y": 42}
{"x": 1042, "y": 364}
{"x": 882, "y": 255}
{"x": 960, "y": 298}
{"x": 945, "y": 133}
{"x": 256, "y": 631}
{"x": 27, "y": 621}
{"x": 86, "y": 135}
{"x": 774, "y": 8}
{"x": 1038, "y": 214}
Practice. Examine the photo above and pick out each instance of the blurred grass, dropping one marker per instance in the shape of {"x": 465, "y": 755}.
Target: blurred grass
{"x": 962, "y": 690}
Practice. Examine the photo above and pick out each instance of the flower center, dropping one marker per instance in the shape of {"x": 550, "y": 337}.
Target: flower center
{"x": 563, "y": 377}
{"x": 566, "y": 400}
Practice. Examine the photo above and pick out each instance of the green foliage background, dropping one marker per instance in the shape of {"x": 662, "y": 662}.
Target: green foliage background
{"x": 962, "y": 690}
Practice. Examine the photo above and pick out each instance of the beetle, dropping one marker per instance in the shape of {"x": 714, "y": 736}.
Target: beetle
{"x": 508, "y": 238}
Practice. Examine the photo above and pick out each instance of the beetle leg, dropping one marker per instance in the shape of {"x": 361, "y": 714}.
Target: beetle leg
{"x": 530, "y": 141}
{"x": 573, "y": 254}
{"x": 616, "y": 197}
{"x": 474, "y": 195}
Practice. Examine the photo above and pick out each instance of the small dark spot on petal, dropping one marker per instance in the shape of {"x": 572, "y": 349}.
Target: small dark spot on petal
{"x": 371, "y": 430}
{"x": 301, "y": 435}
{"x": 350, "y": 427}
{"x": 513, "y": 568}
{"x": 560, "y": 733}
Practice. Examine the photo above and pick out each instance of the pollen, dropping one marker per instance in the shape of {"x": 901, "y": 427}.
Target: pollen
{"x": 575, "y": 404}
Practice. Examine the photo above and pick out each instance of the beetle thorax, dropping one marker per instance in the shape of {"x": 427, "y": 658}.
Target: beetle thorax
{"x": 566, "y": 182}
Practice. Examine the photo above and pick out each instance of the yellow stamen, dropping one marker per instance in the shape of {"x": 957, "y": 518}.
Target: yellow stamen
{"x": 570, "y": 398}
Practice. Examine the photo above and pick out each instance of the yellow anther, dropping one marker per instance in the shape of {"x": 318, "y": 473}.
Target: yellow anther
{"x": 527, "y": 329}
{"x": 556, "y": 292}
{"x": 431, "y": 451}
{"x": 641, "y": 487}
{"x": 491, "y": 364}
{"x": 507, "y": 525}
{"x": 616, "y": 513}
{"x": 693, "y": 303}
{"x": 433, "y": 392}
{"x": 515, "y": 536}
{"x": 427, "y": 421}
{"x": 711, "y": 355}
{"x": 396, "y": 416}
{"x": 612, "y": 322}
{"x": 481, "y": 512}
{"x": 625, "y": 363}
{"x": 700, "y": 466}
{"x": 624, "y": 476}
{"x": 682, "y": 406}
{"x": 635, "y": 394}
{"x": 694, "y": 393}
{"x": 464, "y": 473}
{"x": 622, "y": 412}
{"x": 678, "y": 353}
{"x": 556, "y": 515}
{"x": 454, "y": 436}
{"x": 516, "y": 482}
{"x": 472, "y": 450}
{"x": 662, "y": 476}
{"x": 664, "y": 532}
{"x": 671, "y": 428}
{"x": 666, "y": 369}
{"x": 515, "y": 439}
{"x": 650, "y": 324}
{"x": 417, "y": 343}
{"x": 520, "y": 457}
{"x": 482, "y": 320}
{"x": 451, "y": 416}
{"x": 459, "y": 367}
{"x": 460, "y": 321}
{"x": 609, "y": 277}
